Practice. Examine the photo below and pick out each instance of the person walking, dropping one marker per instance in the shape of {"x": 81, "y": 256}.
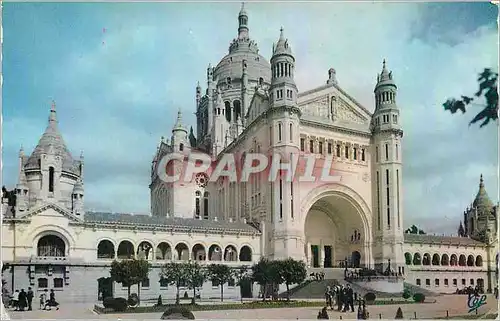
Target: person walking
{"x": 340, "y": 298}
{"x": 29, "y": 298}
{"x": 23, "y": 302}
{"x": 350, "y": 298}
{"x": 328, "y": 296}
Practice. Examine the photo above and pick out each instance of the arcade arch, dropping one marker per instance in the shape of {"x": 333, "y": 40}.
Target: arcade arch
{"x": 336, "y": 228}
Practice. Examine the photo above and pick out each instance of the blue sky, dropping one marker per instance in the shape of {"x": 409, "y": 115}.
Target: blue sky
{"x": 120, "y": 72}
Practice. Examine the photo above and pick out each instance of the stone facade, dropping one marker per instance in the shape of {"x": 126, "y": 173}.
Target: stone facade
{"x": 250, "y": 106}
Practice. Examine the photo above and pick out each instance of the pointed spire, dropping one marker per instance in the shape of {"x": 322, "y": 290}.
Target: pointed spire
{"x": 52, "y": 115}
{"x": 21, "y": 151}
{"x": 178, "y": 124}
{"x": 481, "y": 181}
{"x": 243, "y": 23}
{"x": 282, "y": 46}
{"x": 282, "y": 35}
{"x": 81, "y": 155}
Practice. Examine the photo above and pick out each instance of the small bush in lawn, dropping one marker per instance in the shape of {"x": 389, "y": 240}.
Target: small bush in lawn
{"x": 406, "y": 294}
{"x": 160, "y": 301}
{"x": 176, "y": 313}
{"x": 108, "y": 302}
{"x": 419, "y": 297}
{"x": 370, "y": 297}
{"x": 120, "y": 304}
{"x": 133, "y": 300}
{"x": 399, "y": 314}
{"x": 186, "y": 295}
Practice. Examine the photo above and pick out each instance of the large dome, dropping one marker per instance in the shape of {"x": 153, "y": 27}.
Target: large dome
{"x": 231, "y": 67}
{"x": 242, "y": 48}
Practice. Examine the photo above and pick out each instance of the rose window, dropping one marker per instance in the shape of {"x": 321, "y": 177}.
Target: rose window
{"x": 201, "y": 179}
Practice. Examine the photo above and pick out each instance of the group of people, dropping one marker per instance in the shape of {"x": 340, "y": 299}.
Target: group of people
{"x": 340, "y": 296}
{"x": 343, "y": 297}
{"x": 22, "y": 300}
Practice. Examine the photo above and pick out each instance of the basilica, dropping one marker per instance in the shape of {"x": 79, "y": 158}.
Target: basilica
{"x": 250, "y": 105}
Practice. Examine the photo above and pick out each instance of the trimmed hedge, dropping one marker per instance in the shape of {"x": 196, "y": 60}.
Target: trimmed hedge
{"x": 419, "y": 297}
{"x": 370, "y": 297}
{"x": 238, "y": 306}
{"x": 185, "y": 312}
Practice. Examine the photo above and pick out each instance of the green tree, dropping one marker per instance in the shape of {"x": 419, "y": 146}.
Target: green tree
{"x": 129, "y": 272}
{"x": 196, "y": 276}
{"x": 176, "y": 274}
{"x": 414, "y": 230}
{"x": 241, "y": 274}
{"x": 220, "y": 274}
{"x": 290, "y": 271}
{"x": 488, "y": 90}
{"x": 263, "y": 274}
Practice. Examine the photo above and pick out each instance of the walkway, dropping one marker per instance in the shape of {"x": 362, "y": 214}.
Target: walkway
{"x": 455, "y": 304}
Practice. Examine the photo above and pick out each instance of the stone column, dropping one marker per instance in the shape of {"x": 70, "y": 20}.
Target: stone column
{"x": 309, "y": 254}
{"x": 321, "y": 254}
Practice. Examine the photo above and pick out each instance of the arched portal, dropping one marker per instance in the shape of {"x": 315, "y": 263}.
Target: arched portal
{"x": 52, "y": 246}
{"x": 335, "y": 227}
{"x": 355, "y": 259}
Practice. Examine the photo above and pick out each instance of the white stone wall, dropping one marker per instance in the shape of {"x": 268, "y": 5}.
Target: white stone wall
{"x": 445, "y": 277}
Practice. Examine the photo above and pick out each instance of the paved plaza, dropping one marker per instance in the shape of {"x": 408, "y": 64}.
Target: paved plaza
{"x": 455, "y": 304}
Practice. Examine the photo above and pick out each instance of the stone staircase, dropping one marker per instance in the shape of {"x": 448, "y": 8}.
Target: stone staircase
{"x": 309, "y": 289}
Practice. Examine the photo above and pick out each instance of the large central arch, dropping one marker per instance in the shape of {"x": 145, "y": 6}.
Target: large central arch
{"x": 337, "y": 228}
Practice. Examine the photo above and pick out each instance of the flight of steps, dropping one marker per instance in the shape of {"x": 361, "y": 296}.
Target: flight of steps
{"x": 309, "y": 289}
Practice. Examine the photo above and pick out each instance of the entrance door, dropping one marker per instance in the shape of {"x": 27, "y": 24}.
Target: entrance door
{"x": 104, "y": 288}
{"x": 328, "y": 256}
{"x": 246, "y": 288}
{"x": 315, "y": 255}
{"x": 356, "y": 259}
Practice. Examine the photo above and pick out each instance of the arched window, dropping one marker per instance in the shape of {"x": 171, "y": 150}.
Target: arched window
{"x": 435, "y": 259}
{"x": 417, "y": 259}
{"x": 205, "y": 205}
{"x": 230, "y": 253}
{"x": 52, "y": 246}
{"x": 245, "y": 254}
{"x": 51, "y": 179}
{"x": 227, "y": 105}
{"x": 445, "y": 260}
{"x": 181, "y": 147}
{"x": 197, "y": 205}
{"x": 427, "y": 259}
{"x": 105, "y": 250}
{"x": 237, "y": 110}
{"x": 125, "y": 250}
{"x": 408, "y": 258}
{"x": 470, "y": 260}
{"x": 462, "y": 260}
{"x": 453, "y": 260}
{"x": 479, "y": 260}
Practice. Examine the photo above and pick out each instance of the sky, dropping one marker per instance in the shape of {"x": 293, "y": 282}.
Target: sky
{"x": 120, "y": 71}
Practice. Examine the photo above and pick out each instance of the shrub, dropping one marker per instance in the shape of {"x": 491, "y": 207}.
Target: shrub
{"x": 159, "y": 302}
{"x": 399, "y": 314}
{"x": 176, "y": 313}
{"x": 120, "y": 304}
{"x": 186, "y": 295}
{"x": 133, "y": 300}
{"x": 370, "y": 297}
{"x": 406, "y": 294}
{"x": 419, "y": 297}
{"x": 108, "y": 302}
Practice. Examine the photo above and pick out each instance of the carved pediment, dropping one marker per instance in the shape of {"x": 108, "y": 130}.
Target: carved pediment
{"x": 317, "y": 107}
{"x": 39, "y": 210}
{"x": 344, "y": 112}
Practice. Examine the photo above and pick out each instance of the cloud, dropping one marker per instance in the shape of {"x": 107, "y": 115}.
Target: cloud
{"x": 118, "y": 90}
